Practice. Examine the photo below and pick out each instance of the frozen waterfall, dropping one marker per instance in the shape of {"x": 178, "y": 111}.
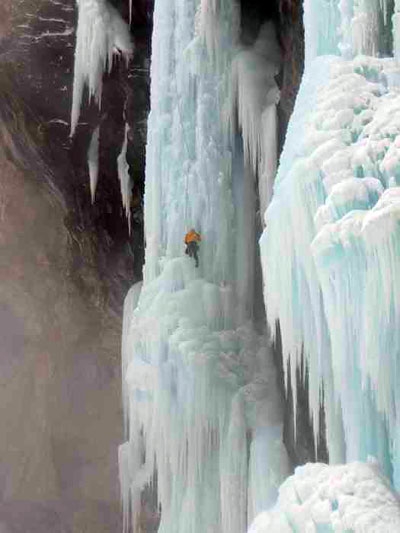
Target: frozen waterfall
{"x": 330, "y": 250}
{"x": 203, "y": 410}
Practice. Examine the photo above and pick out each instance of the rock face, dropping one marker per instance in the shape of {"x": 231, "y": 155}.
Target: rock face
{"x": 65, "y": 267}
{"x": 38, "y": 58}
{"x": 60, "y": 381}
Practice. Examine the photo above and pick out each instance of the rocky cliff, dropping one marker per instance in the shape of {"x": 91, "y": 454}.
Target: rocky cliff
{"x": 65, "y": 267}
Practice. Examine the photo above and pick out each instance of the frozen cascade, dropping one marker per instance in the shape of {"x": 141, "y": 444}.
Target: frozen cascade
{"x": 331, "y": 247}
{"x": 101, "y": 33}
{"x": 203, "y": 409}
{"x": 343, "y": 175}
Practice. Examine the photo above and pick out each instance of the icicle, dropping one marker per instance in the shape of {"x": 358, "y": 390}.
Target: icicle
{"x": 93, "y": 161}
{"x": 321, "y": 28}
{"x": 130, "y": 303}
{"x": 346, "y": 15}
{"x": 338, "y": 229}
{"x": 101, "y": 33}
{"x": 125, "y": 179}
{"x": 269, "y": 154}
{"x": 208, "y": 21}
{"x": 124, "y": 477}
{"x": 255, "y": 97}
{"x": 396, "y": 30}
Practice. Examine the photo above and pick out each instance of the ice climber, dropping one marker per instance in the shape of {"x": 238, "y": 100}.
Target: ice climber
{"x": 192, "y": 239}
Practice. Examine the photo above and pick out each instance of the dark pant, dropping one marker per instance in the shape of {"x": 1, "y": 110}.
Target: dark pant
{"x": 191, "y": 250}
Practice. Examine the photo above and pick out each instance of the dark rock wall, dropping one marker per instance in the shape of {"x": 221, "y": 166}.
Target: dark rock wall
{"x": 39, "y": 59}
{"x": 60, "y": 379}
{"x": 65, "y": 266}
{"x": 291, "y": 36}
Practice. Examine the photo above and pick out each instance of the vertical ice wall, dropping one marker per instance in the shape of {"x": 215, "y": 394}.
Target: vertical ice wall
{"x": 321, "y": 27}
{"x": 331, "y": 246}
{"x": 200, "y": 389}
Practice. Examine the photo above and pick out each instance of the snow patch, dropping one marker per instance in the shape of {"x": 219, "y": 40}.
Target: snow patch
{"x": 353, "y": 497}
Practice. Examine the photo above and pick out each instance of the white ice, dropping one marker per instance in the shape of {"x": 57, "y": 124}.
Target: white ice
{"x": 124, "y": 178}
{"x": 330, "y": 250}
{"x": 101, "y": 34}
{"x": 321, "y": 498}
{"x": 203, "y": 408}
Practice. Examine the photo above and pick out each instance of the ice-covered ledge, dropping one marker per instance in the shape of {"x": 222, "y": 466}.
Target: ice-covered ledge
{"x": 321, "y": 498}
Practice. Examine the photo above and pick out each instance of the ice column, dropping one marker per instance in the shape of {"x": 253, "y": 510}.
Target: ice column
{"x": 331, "y": 248}
{"x": 201, "y": 394}
{"x": 321, "y": 27}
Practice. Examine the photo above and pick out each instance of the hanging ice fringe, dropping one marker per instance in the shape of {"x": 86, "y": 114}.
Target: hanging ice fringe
{"x": 93, "y": 161}
{"x": 101, "y": 33}
{"x": 125, "y": 179}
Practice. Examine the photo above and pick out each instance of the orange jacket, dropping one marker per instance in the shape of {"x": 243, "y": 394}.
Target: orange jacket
{"x": 192, "y": 236}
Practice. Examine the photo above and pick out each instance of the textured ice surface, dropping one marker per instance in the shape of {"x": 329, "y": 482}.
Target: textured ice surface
{"x": 203, "y": 390}
{"x": 348, "y": 27}
{"x": 199, "y": 384}
{"x": 321, "y": 498}
{"x": 101, "y": 33}
{"x": 334, "y": 219}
